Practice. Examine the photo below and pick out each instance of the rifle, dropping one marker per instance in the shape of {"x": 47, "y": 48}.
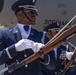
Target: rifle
{"x": 62, "y": 72}
{"x": 49, "y": 46}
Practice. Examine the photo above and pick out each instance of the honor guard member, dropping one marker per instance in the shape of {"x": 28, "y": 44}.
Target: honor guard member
{"x": 72, "y": 69}
{"x": 22, "y": 41}
{"x": 57, "y": 62}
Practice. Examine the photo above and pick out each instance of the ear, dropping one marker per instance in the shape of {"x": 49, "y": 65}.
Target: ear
{"x": 19, "y": 15}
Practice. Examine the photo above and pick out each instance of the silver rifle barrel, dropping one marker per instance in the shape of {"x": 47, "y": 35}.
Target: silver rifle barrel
{"x": 13, "y": 66}
{"x": 3, "y": 70}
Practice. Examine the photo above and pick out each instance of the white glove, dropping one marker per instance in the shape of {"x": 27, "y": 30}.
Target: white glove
{"x": 36, "y": 46}
{"x": 27, "y": 44}
{"x": 69, "y": 55}
{"x": 23, "y": 44}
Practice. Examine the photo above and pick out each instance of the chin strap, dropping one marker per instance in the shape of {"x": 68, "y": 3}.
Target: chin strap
{"x": 27, "y": 17}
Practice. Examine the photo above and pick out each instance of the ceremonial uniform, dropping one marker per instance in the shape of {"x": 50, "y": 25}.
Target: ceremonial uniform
{"x": 57, "y": 63}
{"x": 72, "y": 69}
{"x": 13, "y": 46}
{"x": 8, "y": 38}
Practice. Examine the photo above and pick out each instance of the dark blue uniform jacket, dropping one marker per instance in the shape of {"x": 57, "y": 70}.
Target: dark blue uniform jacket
{"x": 8, "y": 38}
{"x": 55, "y": 64}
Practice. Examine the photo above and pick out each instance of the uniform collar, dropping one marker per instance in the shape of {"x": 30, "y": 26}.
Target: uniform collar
{"x": 22, "y": 25}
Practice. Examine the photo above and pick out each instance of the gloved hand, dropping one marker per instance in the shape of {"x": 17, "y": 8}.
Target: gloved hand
{"x": 23, "y": 44}
{"x": 69, "y": 55}
{"x": 27, "y": 44}
{"x": 36, "y": 46}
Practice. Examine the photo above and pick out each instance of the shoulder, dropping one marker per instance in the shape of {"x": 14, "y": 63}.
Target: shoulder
{"x": 7, "y": 29}
{"x": 5, "y": 32}
{"x": 42, "y": 35}
{"x": 39, "y": 33}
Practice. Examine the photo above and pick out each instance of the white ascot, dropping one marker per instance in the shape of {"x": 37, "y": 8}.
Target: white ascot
{"x": 24, "y": 34}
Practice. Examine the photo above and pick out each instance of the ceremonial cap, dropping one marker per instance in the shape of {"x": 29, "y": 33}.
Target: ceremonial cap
{"x": 30, "y": 4}
{"x": 52, "y": 26}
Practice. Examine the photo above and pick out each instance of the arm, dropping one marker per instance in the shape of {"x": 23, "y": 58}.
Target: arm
{"x": 6, "y": 53}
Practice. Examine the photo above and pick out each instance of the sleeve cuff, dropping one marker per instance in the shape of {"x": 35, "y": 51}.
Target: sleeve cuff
{"x": 11, "y": 51}
{"x": 47, "y": 60}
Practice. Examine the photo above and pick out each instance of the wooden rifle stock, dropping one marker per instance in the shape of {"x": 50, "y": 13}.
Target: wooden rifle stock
{"x": 49, "y": 46}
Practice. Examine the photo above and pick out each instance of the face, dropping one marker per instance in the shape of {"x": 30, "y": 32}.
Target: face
{"x": 31, "y": 15}
{"x": 51, "y": 34}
